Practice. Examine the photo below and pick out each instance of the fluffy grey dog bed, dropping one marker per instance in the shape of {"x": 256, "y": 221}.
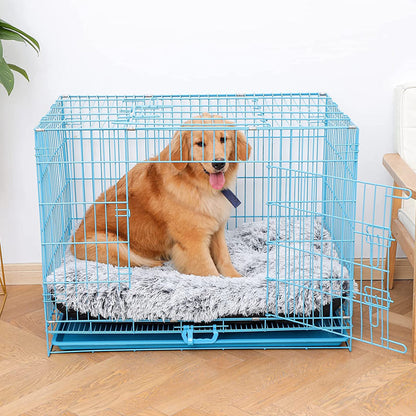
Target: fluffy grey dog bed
{"x": 164, "y": 293}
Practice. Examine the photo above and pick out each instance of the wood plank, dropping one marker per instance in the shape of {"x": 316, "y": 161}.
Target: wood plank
{"x": 17, "y": 344}
{"x": 404, "y": 239}
{"x": 357, "y": 410}
{"x": 219, "y": 360}
{"x": 179, "y": 384}
{"x": 23, "y": 273}
{"x": 39, "y": 374}
{"x": 106, "y": 412}
{"x": 120, "y": 377}
{"x": 64, "y": 413}
{"x": 291, "y": 389}
{"x": 149, "y": 411}
{"x": 250, "y": 391}
{"x": 398, "y": 319}
{"x": 21, "y": 301}
{"x": 354, "y": 388}
{"x": 192, "y": 394}
{"x": 391, "y": 392}
{"x": 222, "y": 408}
{"x": 405, "y": 402}
{"x": 68, "y": 390}
{"x": 180, "y": 390}
{"x": 33, "y": 322}
{"x": 400, "y": 171}
{"x": 192, "y": 412}
{"x": 272, "y": 409}
{"x": 391, "y": 252}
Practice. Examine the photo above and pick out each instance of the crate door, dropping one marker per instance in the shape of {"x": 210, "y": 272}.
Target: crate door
{"x": 328, "y": 254}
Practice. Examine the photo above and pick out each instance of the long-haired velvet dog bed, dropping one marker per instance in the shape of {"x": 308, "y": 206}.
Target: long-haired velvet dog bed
{"x": 315, "y": 278}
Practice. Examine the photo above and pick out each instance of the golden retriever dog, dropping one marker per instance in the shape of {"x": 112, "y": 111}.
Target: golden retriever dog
{"x": 177, "y": 209}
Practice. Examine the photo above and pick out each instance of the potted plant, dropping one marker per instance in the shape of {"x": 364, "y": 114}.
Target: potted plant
{"x": 9, "y": 32}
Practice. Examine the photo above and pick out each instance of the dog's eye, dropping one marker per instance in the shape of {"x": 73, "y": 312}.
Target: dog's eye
{"x": 222, "y": 139}
{"x": 200, "y": 144}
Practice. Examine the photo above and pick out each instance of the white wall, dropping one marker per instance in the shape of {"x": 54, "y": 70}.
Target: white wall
{"x": 356, "y": 50}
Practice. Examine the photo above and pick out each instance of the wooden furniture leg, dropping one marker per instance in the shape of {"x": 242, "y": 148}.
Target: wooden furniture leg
{"x": 391, "y": 252}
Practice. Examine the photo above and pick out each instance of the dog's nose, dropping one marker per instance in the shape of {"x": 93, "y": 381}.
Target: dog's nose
{"x": 218, "y": 164}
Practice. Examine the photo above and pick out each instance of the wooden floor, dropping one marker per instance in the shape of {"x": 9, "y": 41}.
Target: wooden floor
{"x": 366, "y": 381}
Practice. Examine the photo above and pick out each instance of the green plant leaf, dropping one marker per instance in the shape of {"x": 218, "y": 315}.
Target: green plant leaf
{"x": 19, "y": 70}
{"x": 7, "y": 34}
{"x": 1, "y": 50}
{"x": 6, "y": 76}
{"x": 29, "y": 39}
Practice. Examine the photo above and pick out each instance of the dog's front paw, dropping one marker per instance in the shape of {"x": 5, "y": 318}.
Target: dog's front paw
{"x": 228, "y": 270}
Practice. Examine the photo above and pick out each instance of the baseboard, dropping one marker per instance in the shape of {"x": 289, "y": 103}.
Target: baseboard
{"x": 403, "y": 269}
{"x": 31, "y": 273}
{"x": 23, "y": 273}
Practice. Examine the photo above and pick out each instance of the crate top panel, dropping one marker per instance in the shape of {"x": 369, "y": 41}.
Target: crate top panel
{"x": 170, "y": 112}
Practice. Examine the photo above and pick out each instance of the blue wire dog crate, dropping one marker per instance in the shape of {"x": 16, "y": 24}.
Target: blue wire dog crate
{"x": 303, "y": 166}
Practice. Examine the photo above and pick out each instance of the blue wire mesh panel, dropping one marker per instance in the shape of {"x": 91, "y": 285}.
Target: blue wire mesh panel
{"x": 300, "y": 178}
{"x": 345, "y": 237}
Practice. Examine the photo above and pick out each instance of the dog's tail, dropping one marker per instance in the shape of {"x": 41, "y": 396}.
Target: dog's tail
{"x": 137, "y": 260}
{"x": 105, "y": 248}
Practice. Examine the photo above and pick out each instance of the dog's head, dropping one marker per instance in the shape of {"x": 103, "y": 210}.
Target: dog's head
{"x": 210, "y": 149}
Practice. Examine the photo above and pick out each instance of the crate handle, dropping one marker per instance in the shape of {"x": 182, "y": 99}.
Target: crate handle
{"x": 188, "y": 336}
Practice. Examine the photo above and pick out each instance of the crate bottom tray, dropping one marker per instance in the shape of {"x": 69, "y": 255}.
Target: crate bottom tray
{"x": 188, "y": 338}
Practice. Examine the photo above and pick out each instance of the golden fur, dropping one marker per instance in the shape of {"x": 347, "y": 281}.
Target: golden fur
{"x": 174, "y": 211}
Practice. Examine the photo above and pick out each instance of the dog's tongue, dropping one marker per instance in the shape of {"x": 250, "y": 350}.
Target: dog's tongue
{"x": 217, "y": 180}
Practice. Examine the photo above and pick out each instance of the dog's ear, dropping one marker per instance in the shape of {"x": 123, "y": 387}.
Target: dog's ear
{"x": 243, "y": 148}
{"x": 179, "y": 149}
